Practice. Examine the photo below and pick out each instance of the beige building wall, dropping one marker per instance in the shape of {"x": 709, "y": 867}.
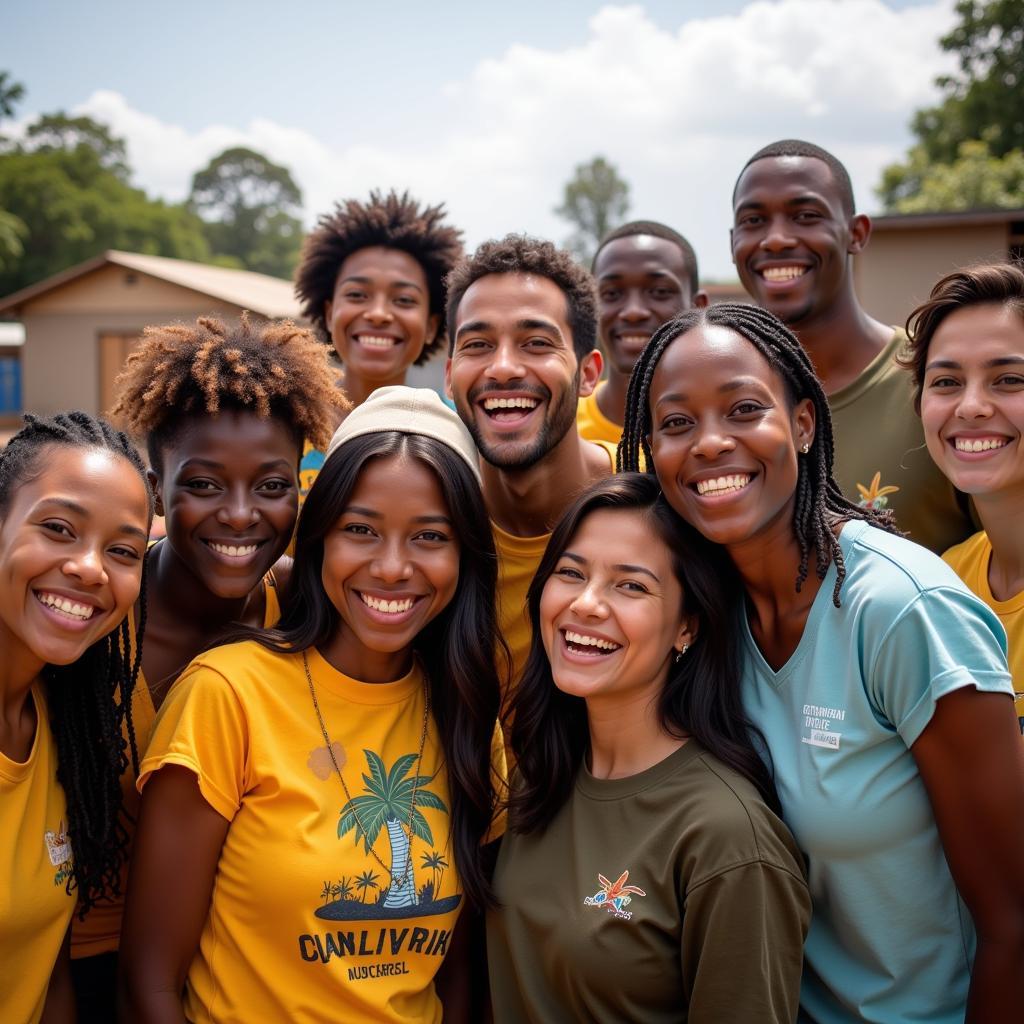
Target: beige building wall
{"x": 61, "y": 359}
{"x": 898, "y": 268}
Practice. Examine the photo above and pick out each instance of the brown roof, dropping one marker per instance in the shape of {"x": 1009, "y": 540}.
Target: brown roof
{"x": 260, "y": 293}
{"x": 956, "y": 218}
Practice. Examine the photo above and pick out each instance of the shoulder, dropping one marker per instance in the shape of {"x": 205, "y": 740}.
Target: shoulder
{"x": 730, "y": 826}
{"x": 242, "y": 665}
{"x": 966, "y": 553}
{"x": 603, "y": 456}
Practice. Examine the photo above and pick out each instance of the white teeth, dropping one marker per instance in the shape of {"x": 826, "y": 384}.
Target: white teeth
{"x": 634, "y": 339}
{"x": 965, "y": 444}
{"x": 62, "y": 604}
{"x": 242, "y": 551}
{"x": 723, "y": 484}
{"x": 390, "y": 607}
{"x": 376, "y": 340}
{"x": 581, "y": 640}
{"x": 782, "y": 273}
{"x": 510, "y": 403}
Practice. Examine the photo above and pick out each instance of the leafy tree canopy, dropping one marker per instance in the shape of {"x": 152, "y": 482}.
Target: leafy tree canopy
{"x": 595, "y": 200}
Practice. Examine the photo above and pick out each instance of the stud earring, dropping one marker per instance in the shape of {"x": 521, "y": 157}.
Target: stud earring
{"x": 680, "y": 653}
{"x": 805, "y": 448}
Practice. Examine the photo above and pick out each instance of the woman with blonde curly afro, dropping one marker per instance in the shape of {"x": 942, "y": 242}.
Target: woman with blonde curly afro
{"x": 223, "y": 410}
{"x": 372, "y": 280}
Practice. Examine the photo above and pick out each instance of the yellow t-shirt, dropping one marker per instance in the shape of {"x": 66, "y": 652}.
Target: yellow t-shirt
{"x": 592, "y": 424}
{"x": 970, "y": 561}
{"x": 305, "y": 922}
{"x": 100, "y": 932}
{"x": 518, "y": 559}
{"x": 35, "y": 865}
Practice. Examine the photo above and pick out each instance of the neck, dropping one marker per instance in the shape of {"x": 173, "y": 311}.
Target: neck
{"x": 842, "y": 341}
{"x": 19, "y": 669}
{"x": 611, "y": 397}
{"x": 354, "y": 659}
{"x": 528, "y": 502}
{"x": 358, "y": 388}
{"x": 175, "y": 592}
{"x": 1000, "y": 518}
{"x": 626, "y": 735}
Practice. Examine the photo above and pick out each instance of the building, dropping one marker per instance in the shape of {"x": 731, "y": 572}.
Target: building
{"x": 80, "y": 325}
{"x": 908, "y": 253}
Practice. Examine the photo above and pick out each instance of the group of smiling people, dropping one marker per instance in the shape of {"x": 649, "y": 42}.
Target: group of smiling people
{"x": 625, "y": 684}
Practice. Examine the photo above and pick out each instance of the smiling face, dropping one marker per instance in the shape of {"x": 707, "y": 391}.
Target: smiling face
{"x": 724, "y": 438}
{"x": 513, "y": 373}
{"x": 642, "y": 282}
{"x": 71, "y": 548}
{"x": 391, "y": 565}
{"x": 791, "y": 238}
{"x": 379, "y": 317}
{"x": 229, "y": 490}
{"x": 611, "y": 613}
{"x": 972, "y": 401}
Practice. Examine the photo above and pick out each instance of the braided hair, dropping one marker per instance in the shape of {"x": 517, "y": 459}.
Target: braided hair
{"x": 820, "y": 505}
{"x": 89, "y": 701}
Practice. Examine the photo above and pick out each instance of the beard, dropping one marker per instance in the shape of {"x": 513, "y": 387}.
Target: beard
{"x": 516, "y": 455}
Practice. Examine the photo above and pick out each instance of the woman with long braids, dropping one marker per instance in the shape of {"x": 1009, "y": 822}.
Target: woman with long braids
{"x": 223, "y": 408}
{"x": 316, "y": 796}
{"x": 645, "y": 875}
{"x": 878, "y": 681}
{"x": 75, "y": 511}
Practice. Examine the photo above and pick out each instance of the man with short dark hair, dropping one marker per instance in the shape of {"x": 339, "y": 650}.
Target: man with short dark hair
{"x": 795, "y": 233}
{"x": 646, "y": 274}
{"x": 522, "y": 332}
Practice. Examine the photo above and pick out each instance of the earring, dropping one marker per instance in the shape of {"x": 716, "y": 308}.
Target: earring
{"x": 805, "y": 448}
{"x": 680, "y": 653}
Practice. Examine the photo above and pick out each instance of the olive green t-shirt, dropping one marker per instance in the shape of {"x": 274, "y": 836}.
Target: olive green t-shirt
{"x": 672, "y": 895}
{"x": 881, "y": 458}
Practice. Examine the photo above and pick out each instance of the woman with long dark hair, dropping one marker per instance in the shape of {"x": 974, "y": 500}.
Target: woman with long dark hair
{"x": 377, "y": 694}
{"x": 75, "y": 511}
{"x": 878, "y": 681}
{"x": 638, "y": 785}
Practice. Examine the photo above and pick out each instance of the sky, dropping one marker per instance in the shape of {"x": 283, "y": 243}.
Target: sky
{"x": 488, "y": 109}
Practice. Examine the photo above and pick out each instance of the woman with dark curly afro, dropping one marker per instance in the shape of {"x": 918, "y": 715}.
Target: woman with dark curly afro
{"x": 371, "y": 279}
{"x": 223, "y": 409}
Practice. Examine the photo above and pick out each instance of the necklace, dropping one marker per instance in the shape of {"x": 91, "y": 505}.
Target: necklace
{"x": 409, "y": 871}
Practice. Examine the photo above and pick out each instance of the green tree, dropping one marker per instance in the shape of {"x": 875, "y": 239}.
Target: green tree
{"x": 594, "y": 201}
{"x": 388, "y": 804}
{"x": 983, "y": 103}
{"x": 66, "y": 184}
{"x": 11, "y": 92}
{"x": 250, "y": 208}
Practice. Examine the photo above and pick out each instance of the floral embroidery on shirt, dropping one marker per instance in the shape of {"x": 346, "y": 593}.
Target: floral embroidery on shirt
{"x": 875, "y": 496}
{"x": 58, "y": 846}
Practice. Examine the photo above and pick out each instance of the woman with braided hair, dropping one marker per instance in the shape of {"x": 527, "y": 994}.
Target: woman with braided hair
{"x": 75, "y": 511}
{"x": 878, "y": 682}
{"x": 223, "y": 409}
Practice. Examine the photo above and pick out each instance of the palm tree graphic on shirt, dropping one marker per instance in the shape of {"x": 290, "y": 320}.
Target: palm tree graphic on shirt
{"x": 388, "y": 804}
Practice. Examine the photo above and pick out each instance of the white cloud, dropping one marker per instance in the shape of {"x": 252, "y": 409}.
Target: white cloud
{"x": 677, "y": 111}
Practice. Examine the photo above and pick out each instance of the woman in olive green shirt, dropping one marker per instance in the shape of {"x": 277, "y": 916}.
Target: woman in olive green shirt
{"x": 645, "y": 875}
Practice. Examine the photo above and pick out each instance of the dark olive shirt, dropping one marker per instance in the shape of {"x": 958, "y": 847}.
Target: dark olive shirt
{"x": 707, "y": 926}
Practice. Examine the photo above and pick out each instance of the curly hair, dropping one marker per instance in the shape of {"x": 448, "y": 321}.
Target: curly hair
{"x": 819, "y": 504}
{"x": 657, "y": 230}
{"x": 522, "y": 254}
{"x": 90, "y": 700}
{"x": 272, "y": 368}
{"x": 393, "y": 221}
{"x": 997, "y": 284}
{"x": 797, "y": 147}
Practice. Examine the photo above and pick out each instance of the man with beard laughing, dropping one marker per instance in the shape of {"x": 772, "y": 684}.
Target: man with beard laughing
{"x": 794, "y": 237}
{"x": 522, "y": 329}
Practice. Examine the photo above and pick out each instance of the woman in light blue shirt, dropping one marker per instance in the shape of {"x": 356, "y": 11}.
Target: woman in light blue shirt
{"x": 878, "y": 680}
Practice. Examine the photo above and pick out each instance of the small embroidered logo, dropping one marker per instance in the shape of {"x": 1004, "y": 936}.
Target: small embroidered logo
{"x": 876, "y": 496}
{"x": 58, "y": 846}
{"x": 614, "y": 896}
{"x": 818, "y": 724}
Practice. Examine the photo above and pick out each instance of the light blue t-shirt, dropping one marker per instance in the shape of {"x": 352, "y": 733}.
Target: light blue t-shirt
{"x": 890, "y": 938}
